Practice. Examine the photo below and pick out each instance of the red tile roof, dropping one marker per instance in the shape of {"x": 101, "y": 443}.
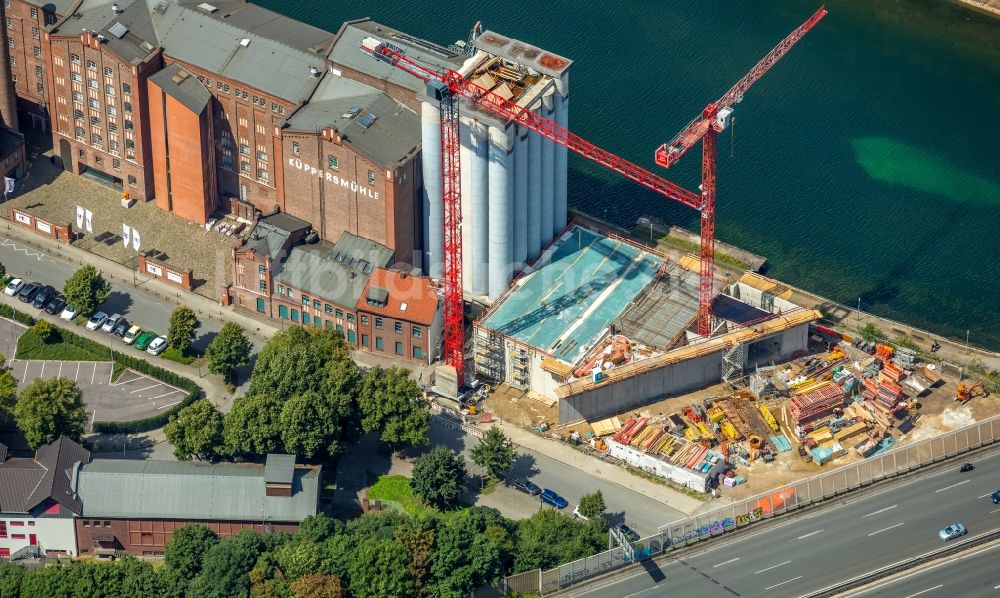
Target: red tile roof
{"x": 411, "y": 298}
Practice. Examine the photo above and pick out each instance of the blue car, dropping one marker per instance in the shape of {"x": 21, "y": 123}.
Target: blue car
{"x": 995, "y": 497}
{"x": 553, "y": 499}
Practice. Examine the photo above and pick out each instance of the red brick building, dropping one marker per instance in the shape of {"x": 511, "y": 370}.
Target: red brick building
{"x": 259, "y": 256}
{"x": 399, "y": 315}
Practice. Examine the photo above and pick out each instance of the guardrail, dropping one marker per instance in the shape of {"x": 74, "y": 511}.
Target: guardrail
{"x": 784, "y": 499}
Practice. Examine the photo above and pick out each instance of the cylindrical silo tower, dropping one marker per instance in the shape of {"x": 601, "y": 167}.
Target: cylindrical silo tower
{"x": 534, "y": 194}
{"x": 479, "y": 186}
{"x": 520, "y": 197}
{"x": 501, "y": 204}
{"x": 562, "y": 154}
{"x": 548, "y": 176}
{"x": 465, "y": 164}
{"x": 430, "y": 131}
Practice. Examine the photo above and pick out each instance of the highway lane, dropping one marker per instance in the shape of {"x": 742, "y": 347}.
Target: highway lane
{"x": 800, "y": 555}
{"x": 639, "y": 512}
{"x": 972, "y": 574}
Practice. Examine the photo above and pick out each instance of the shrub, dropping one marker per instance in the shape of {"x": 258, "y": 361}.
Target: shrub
{"x": 43, "y": 330}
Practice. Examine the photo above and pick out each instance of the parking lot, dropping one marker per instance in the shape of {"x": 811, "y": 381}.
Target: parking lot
{"x": 132, "y": 396}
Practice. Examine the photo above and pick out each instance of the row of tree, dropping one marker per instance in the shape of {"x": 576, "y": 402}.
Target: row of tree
{"x": 384, "y": 555}
{"x": 306, "y": 397}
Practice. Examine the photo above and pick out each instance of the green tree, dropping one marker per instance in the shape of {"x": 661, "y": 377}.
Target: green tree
{"x": 318, "y": 528}
{"x": 390, "y": 404}
{"x": 439, "y": 477}
{"x": 308, "y": 425}
{"x": 50, "y": 408}
{"x": 187, "y": 549}
{"x": 549, "y": 538}
{"x": 43, "y": 330}
{"x": 10, "y": 579}
{"x": 8, "y": 389}
{"x": 225, "y": 567}
{"x": 318, "y": 586}
{"x": 471, "y": 550}
{"x": 253, "y": 426}
{"x": 228, "y": 351}
{"x": 592, "y": 505}
{"x": 298, "y": 558}
{"x": 195, "y": 432}
{"x": 418, "y": 540}
{"x": 495, "y": 453}
{"x": 86, "y": 290}
{"x": 871, "y": 332}
{"x": 272, "y": 588}
{"x": 139, "y": 578}
{"x": 290, "y": 362}
{"x": 378, "y": 569}
{"x": 183, "y": 324}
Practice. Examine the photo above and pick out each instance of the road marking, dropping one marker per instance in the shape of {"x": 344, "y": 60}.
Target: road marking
{"x": 772, "y": 567}
{"x": 60, "y": 370}
{"x": 985, "y": 495}
{"x": 164, "y": 395}
{"x": 122, "y": 381}
{"x": 952, "y": 486}
{"x": 996, "y": 587}
{"x": 142, "y": 389}
{"x": 42, "y": 375}
{"x": 886, "y": 529}
{"x": 78, "y": 364}
{"x": 93, "y": 376}
{"x": 927, "y": 590}
{"x": 170, "y": 405}
{"x": 880, "y": 511}
{"x": 726, "y": 563}
{"x": 809, "y": 534}
{"x": 782, "y": 583}
{"x": 994, "y": 511}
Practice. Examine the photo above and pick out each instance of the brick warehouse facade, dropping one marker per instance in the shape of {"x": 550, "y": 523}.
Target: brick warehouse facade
{"x": 280, "y": 128}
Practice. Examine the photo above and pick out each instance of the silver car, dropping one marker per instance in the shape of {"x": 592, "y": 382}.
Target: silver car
{"x": 955, "y": 530}
{"x": 111, "y": 322}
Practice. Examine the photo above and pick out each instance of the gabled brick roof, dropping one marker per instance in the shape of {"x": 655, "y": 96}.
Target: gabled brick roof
{"x": 26, "y": 483}
{"x": 410, "y": 298}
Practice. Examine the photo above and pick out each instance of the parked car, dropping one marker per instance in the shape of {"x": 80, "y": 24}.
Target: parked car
{"x": 13, "y": 286}
{"x": 96, "y": 320}
{"x": 554, "y": 499}
{"x": 42, "y": 297}
{"x": 628, "y": 532}
{"x": 121, "y": 328}
{"x": 55, "y": 305}
{"x": 111, "y": 322}
{"x": 157, "y": 346}
{"x": 131, "y": 334}
{"x": 68, "y": 312}
{"x": 142, "y": 341}
{"x": 27, "y": 292}
{"x": 955, "y": 530}
{"x": 527, "y": 486}
{"x": 995, "y": 497}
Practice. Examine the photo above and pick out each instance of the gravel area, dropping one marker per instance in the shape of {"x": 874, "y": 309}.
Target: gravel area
{"x": 52, "y": 193}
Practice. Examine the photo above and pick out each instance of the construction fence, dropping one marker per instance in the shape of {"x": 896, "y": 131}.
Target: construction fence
{"x": 835, "y": 482}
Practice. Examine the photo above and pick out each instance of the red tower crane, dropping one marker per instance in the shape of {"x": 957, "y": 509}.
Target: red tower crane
{"x": 705, "y": 128}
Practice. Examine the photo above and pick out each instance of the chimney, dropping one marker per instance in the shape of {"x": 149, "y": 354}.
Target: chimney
{"x": 8, "y": 101}
{"x": 279, "y": 475}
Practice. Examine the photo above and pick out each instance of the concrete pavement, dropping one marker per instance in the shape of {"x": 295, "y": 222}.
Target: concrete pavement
{"x": 970, "y": 574}
{"x": 821, "y": 547}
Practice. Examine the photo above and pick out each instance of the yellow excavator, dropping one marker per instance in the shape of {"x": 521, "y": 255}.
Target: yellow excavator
{"x": 967, "y": 392}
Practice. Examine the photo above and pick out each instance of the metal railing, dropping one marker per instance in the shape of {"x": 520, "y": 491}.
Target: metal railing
{"x": 783, "y": 499}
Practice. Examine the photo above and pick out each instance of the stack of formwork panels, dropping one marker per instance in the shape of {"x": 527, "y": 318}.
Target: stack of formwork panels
{"x": 818, "y": 402}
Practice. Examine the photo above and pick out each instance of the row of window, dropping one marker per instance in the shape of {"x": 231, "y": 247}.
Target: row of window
{"x": 50, "y": 18}
{"x": 96, "y": 522}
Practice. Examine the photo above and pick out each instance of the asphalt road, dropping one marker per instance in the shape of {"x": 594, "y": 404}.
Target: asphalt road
{"x": 807, "y": 553}
{"x": 639, "y": 512}
{"x": 971, "y": 574}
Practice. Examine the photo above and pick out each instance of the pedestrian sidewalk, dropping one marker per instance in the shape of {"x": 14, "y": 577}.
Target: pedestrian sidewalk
{"x": 610, "y": 472}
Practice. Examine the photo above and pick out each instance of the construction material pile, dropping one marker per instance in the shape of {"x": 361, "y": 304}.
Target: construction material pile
{"x": 654, "y": 439}
{"x": 815, "y": 401}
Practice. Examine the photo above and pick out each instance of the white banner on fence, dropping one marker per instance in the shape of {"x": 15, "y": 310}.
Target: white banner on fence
{"x": 90, "y": 220}
{"x": 135, "y": 239}
{"x": 125, "y": 235}
{"x": 79, "y": 216}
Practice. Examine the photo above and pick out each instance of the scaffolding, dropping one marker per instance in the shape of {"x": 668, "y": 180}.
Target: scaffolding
{"x": 517, "y": 373}
{"x": 733, "y": 359}
{"x": 488, "y": 355}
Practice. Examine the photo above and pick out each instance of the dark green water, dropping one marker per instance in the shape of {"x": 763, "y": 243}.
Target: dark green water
{"x": 866, "y": 164}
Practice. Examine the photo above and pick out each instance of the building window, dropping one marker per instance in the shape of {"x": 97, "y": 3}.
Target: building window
{"x": 93, "y": 103}
{"x": 261, "y": 269}
{"x": 34, "y": 32}
{"x": 38, "y": 71}
{"x": 50, "y": 18}
{"x": 281, "y": 290}
{"x": 327, "y": 308}
{"x": 379, "y": 344}
{"x": 417, "y": 332}
{"x": 78, "y": 114}
{"x": 262, "y": 156}
{"x": 76, "y": 77}
{"x": 261, "y": 174}
{"x": 340, "y": 313}
{"x": 109, "y": 89}
{"x": 81, "y": 134}
{"x": 77, "y": 96}
{"x": 91, "y": 65}
{"x": 95, "y": 139}
{"x": 305, "y": 317}
{"x": 364, "y": 340}
{"x": 244, "y": 149}
{"x": 116, "y": 164}
{"x": 398, "y": 328}
{"x": 350, "y": 318}
{"x": 109, "y": 72}
{"x": 92, "y": 83}
{"x": 305, "y": 300}
{"x": 17, "y": 536}
{"x": 74, "y": 58}
{"x": 245, "y": 167}
{"x": 94, "y": 121}
{"x": 132, "y": 182}
{"x": 418, "y": 353}
{"x": 364, "y": 320}
{"x": 129, "y": 144}
{"x": 126, "y": 88}
{"x": 399, "y": 348}
{"x": 127, "y": 107}
{"x": 371, "y": 177}
{"x": 328, "y": 323}
{"x": 378, "y": 323}
{"x": 283, "y": 312}
{"x": 86, "y": 523}
{"x": 113, "y": 145}
{"x": 112, "y": 127}
{"x": 128, "y": 125}
{"x": 263, "y": 286}
{"x": 316, "y": 304}
{"x": 295, "y": 148}
{"x": 34, "y": 12}
{"x": 333, "y": 162}
{"x": 39, "y": 87}
{"x": 295, "y": 315}
{"x": 38, "y": 52}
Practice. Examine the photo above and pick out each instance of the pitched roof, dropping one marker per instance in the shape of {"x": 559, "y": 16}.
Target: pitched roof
{"x": 344, "y": 103}
{"x": 184, "y": 87}
{"x": 128, "y": 33}
{"x": 25, "y": 483}
{"x": 244, "y": 42}
{"x": 410, "y": 298}
{"x": 196, "y": 491}
{"x": 270, "y": 233}
{"x": 346, "y": 51}
{"x": 335, "y": 272}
